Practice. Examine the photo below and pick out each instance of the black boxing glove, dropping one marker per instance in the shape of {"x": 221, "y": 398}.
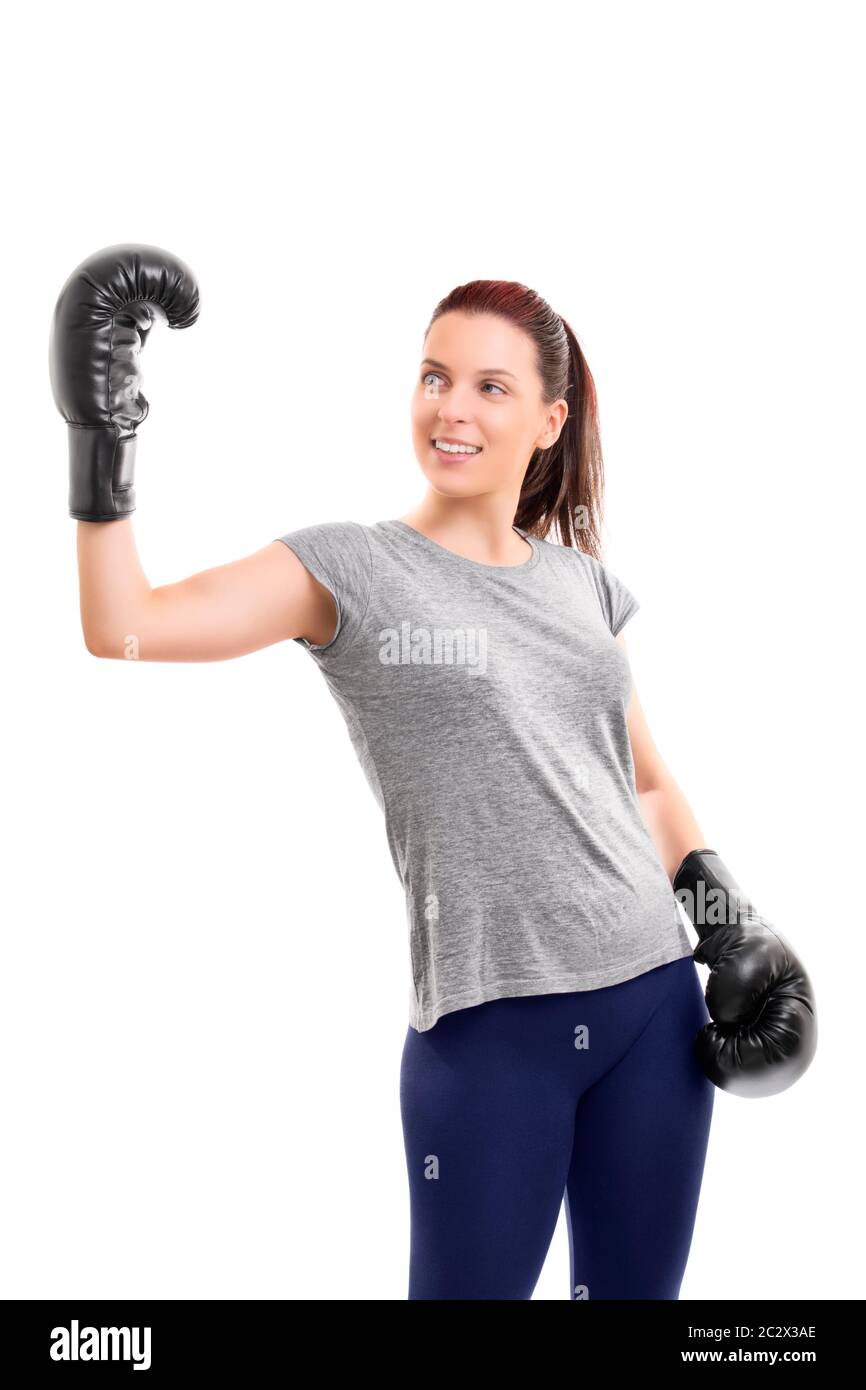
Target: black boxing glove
{"x": 101, "y": 321}
{"x": 764, "y": 1030}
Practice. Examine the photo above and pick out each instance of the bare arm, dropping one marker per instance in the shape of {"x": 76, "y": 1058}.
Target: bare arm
{"x": 668, "y": 815}
{"x": 219, "y": 613}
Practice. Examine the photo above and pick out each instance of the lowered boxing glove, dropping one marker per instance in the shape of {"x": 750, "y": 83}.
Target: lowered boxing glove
{"x": 101, "y": 321}
{"x": 764, "y": 1031}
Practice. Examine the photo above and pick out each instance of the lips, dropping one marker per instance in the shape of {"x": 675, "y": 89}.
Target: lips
{"x": 458, "y": 443}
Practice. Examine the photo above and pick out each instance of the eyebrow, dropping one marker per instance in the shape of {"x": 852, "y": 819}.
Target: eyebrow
{"x": 486, "y": 371}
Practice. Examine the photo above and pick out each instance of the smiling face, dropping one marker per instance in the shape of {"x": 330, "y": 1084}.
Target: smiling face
{"x": 478, "y": 385}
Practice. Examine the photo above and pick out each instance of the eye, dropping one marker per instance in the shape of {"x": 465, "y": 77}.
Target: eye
{"x": 425, "y": 378}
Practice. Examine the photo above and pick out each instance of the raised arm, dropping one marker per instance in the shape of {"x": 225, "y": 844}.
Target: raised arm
{"x": 101, "y": 322}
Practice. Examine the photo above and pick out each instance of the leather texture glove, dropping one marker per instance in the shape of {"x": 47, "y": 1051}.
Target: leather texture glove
{"x": 764, "y": 1030}
{"x": 101, "y": 321}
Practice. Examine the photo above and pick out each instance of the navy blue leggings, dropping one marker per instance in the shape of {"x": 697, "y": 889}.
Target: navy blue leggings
{"x": 594, "y": 1097}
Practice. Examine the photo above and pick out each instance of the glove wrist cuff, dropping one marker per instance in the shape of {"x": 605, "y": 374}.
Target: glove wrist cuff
{"x": 101, "y": 473}
{"x": 709, "y": 892}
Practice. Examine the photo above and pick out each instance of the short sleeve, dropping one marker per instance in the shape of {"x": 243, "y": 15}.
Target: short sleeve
{"x": 337, "y": 553}
{"x": 618, "y": 603}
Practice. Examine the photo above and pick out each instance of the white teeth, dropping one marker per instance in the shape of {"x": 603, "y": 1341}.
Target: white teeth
{"x": 456, "y": 448}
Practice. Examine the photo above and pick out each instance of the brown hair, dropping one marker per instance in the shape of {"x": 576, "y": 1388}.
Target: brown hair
{"x": 564, "y": 485}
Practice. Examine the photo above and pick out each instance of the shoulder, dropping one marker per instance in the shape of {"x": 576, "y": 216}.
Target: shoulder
{"x": 572, "y": 557}
{"x": 337, "y": 553}
{"x": 339, "y": 543}
{"x": 329, "y": 533}
{"x": 616, "y": 600}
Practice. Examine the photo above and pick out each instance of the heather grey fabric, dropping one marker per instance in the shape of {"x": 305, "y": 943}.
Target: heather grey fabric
{"x": 487, "y": 705}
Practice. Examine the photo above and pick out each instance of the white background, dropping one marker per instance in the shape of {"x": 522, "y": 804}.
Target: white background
{"x": 204, "y": 956}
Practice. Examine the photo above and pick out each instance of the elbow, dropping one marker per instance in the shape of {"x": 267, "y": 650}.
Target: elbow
{"x": 112, "y": 648}
{"x": 90, "y": 633}
{"x": 655, "y": 789}
{"x": 95, "y": 644}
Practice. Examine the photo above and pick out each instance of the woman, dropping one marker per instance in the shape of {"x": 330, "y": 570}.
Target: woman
{"x": 486, "y": 689}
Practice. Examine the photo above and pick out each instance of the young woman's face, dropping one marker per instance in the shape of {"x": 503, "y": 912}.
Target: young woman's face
{"x": 478, "y": 384}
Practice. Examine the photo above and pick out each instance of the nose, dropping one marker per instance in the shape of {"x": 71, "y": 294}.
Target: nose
{"x": 453, "y": 410}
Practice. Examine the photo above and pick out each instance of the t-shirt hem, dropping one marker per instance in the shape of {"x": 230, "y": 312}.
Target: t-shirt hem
{"x": 424, "y": 1019}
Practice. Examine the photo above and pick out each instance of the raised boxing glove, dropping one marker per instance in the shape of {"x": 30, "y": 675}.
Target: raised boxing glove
{"x": 101, "y": 321}
{"x": 764, "y": 1030}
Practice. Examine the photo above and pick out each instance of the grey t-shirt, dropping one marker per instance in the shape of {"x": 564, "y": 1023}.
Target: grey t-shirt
{"x": 487, "y": 705}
